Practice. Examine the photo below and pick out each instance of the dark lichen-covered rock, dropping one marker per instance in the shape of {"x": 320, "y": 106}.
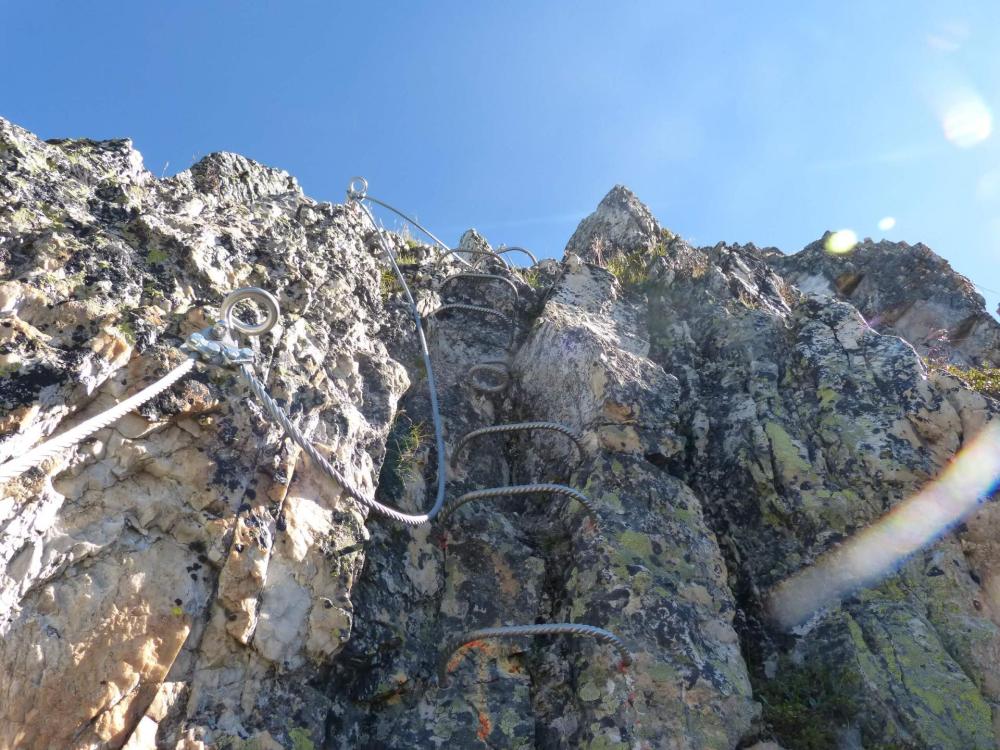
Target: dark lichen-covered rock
{"x": 905, "y": 290}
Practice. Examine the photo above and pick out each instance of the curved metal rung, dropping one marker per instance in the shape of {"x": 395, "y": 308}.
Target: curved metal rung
{"x": 487, "y": 253}
{"x": 494, "y": 366}
{"x": 523, "y": 489}
{"x": 519, "y": 427}
{"x": 503, "y": 250}
{"x": 478, "y": 309}
{"x": 482, "y": 277}
{"x": 520, "y": 631}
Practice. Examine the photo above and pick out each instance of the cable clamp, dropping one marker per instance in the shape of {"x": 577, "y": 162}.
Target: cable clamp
{"x": 208, "y": 346}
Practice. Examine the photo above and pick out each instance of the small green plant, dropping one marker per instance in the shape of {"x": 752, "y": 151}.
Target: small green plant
{"x": 531, "y": 277}
{"x": 985, "y": 380}
{"x": 402, "y": 451}
{"x": 157, "y": 255}
{"x": 388, "y": 283}
{"x": 630, "y": 268}
{"x": 806, "y": 706}
{"x": 410, "y": 442}
{"x": 633, "y": 268}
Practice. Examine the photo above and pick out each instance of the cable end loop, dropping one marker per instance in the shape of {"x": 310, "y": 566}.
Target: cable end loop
{"x": 357, "y": 189}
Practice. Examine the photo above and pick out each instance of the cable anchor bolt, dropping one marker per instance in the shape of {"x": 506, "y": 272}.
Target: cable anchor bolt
{"x": 216, "y": 345}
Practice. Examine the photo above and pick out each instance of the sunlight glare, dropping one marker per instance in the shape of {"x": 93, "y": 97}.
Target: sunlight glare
{"x": 841, "y": 242}
{"x": 875, "y": 552}
{"x": 968, "y": 121}
{"x": 886, "y": 223}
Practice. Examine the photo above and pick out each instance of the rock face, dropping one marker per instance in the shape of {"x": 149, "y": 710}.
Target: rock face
{"x": 187, "y": 579}
{"x": 903, "y": 290}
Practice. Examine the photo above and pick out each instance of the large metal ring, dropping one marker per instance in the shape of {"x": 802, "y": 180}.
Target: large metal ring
{"x": 263, "y": 299}
{"x": 357, "y": 189}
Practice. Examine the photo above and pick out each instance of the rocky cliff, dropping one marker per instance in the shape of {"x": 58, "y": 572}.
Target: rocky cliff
{"x": 187, "y": 578}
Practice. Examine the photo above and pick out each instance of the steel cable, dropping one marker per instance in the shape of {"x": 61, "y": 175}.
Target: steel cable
{"x": 71, "y": 438}
{"x": 519, "y": 631}
{"x": 279, "y": 415}
{"x": 361, "y": 193}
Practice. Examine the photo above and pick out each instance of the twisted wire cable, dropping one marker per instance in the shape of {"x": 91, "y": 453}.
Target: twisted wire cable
{"x": 71, "y": 438}
{"x": 478, "y": 309}
{"x": 519, "y": 631}
{"x": 504, "y": 250}
{"x": 278, "y": 414}
{"x": 498, "y": 368}
{"x": 523, "y": 489}
{"x": 519, "y": 427}
{"x": 482, "y": 277}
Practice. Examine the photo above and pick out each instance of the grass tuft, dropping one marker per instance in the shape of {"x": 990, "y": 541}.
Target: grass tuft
{"x": 985, "y": 380}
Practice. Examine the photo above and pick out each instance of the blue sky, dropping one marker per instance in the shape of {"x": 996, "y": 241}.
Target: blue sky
{"x": 762, "y": 122}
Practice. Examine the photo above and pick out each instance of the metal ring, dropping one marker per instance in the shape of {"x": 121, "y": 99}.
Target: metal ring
{"x": 496, "y": 366}
{"x": 357, "y": 189}
{"x": 264, "y": 299}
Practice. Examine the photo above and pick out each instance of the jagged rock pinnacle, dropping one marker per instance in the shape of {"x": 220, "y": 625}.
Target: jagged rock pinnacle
{"x": 621, "y": 224}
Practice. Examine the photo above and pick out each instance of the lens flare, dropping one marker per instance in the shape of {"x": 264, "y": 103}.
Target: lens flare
{"x": 968, "y": 121}
{"x": 877, "y": 551}
{"x": 841, "y": 242}
{"x": 886, "y": 223}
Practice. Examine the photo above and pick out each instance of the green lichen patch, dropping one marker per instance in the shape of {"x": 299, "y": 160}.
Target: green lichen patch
{"x": 301, "y": 739}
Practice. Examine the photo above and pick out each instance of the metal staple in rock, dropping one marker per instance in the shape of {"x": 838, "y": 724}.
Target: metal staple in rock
{"x": 487, "y": 254}
{"x": 476, "y": 309}
{"x": 496, "y": 366}
{"x": 484, "y": 277}
{"x": 519, "y": 427}
{"x": 505, "y": 250}
{"x": 518, "y": 631}
{"x": 523, "y": 489}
